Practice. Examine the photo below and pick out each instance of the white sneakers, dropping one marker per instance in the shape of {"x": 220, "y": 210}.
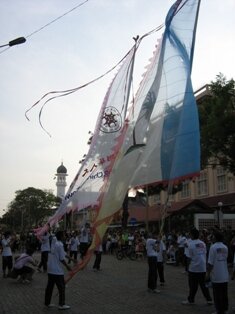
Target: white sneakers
{"x": 51, "y": 305}
{"x": 186, "y": 302}
{"x": 63, "y": 307}
{"x": 154, "y": 290}
{"x": 60, "y": 307}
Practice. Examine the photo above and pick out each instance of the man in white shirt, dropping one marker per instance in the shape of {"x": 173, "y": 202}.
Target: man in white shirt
{"x": 181, "y": 241}
{"x": 56, "y": 272}
{"x": 45, "y": 249}
{"x": 152, "y": 247}
{"x": 98, "y": 255}
{"x": 73, "y": 247}
{"x": 84, "y": 239}
{"x": 161, "y": 257}
{"x": 218, "y": 273}
{"x": 197, "y": 268}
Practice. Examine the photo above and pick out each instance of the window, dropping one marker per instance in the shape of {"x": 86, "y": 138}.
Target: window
{"x": 221, "y": 180}
{"x": 171, "y": 197}
{"x": 202, "y": 186}
{"x": 154, "y": 199}
{"x": 185, "y": 190}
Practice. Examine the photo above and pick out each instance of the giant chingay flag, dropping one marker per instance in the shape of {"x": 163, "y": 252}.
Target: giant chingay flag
{"x": 156, "y": 141}
{"x": 89, "y": 183}
{"x": 167, "y": 129}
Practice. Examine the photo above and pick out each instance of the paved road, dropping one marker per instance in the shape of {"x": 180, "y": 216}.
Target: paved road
{"x": 119, "y": 288}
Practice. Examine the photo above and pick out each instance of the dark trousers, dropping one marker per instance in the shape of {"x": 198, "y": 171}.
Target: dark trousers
{"x": 25, "y": 272}
{"x": 160, "y": 270}
{"x": 7, "y": 262}
{"x": 195, "y": 280}
{"x": 60, "y": 284}
{"x": 180, "y": 256}
{"x": 152, "y": 273}
{"x": 83, "y": 247}
{"x": 74, "y": 255}
{"x": 220, "y": 293}
{"x": 97, "y": 260}
{"x": 44, "y": 259}
{"x": 186, "y": 263}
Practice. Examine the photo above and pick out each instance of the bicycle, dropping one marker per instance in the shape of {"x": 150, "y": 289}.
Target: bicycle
{"x": 126, "y": 251}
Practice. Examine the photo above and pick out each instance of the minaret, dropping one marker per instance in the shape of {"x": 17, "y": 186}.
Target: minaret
{"x": 61, "y": 180}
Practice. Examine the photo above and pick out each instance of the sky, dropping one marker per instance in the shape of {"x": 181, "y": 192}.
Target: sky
{"x": 70, "y": 52}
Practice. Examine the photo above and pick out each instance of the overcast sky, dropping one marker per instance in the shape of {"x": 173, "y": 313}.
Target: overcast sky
{"x": 73, "y": 50}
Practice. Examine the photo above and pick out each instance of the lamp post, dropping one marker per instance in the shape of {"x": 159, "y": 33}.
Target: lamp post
{"x": 219, "y": 214}
{"x": 22, "y": 220}
{"x": 14, "y": 42}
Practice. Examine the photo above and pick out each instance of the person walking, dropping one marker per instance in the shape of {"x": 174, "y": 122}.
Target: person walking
{"x": 56, "y": 272}
{"x": 73, "y": 247}
{"x": 197, "y": 268}
{"x": 45, "y": 248}
{"x": 84, "y": 240}
{"x": 98, "y": 255}
{"x": 161, "y": 257}
{"x": 218, "y": 273}
{"x": 152, "y": 247}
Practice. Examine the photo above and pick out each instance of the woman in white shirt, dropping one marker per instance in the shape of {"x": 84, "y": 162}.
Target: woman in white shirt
{"x": 7, "y": 261}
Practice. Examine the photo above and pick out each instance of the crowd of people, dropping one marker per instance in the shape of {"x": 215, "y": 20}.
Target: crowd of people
{"x": 205, "y": 256}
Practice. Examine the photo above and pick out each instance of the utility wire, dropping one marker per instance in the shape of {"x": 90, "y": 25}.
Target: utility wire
{"x": 53, "y": 21}
{"x": 58, "y": 18}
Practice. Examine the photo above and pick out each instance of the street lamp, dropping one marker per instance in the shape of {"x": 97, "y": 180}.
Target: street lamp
{"x": 219, "y": 214}
{"x": 14, "y": 42}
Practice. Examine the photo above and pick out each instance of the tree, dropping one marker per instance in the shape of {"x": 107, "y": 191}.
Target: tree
{"x": 217, "y": 124}
{"x": 30, "y": 208}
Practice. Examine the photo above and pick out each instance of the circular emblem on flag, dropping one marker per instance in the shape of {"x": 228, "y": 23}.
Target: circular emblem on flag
{"x": 111, "y": 120}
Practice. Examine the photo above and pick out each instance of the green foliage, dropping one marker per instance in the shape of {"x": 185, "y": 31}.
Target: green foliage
{"x": 217, "y": 123}
{"x": 30, "y": 208}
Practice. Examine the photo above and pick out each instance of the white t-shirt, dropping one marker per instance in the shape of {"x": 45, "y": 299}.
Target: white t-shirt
{"x": 57, "y": 254}
{"x": 162, "y": 248}
{"x": 23, "y": 260}
{"x": 45, "y": 243}
{"x": 74, "y": 243}
{"x": 181, "y": 241}
{"x": 130, "y": 239}
{"x": 197, "y": 254}
{"x": 151, "y": 247}
{"x": 186, "y": 250}
{"x": 218, "y": 255}
{"x": 6, "y": 249}
{"x": 99, "y": 248}
{"x": 84, "y": 236}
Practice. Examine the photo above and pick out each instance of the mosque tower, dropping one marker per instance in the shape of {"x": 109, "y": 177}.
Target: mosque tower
{"x": 61, "y": 180}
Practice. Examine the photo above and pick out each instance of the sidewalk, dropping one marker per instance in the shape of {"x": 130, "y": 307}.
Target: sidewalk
{"x": 119, "y": 288}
